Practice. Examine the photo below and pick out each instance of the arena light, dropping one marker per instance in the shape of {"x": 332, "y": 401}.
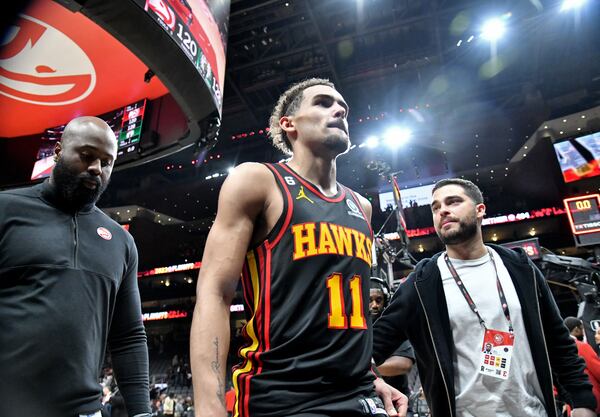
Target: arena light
{"x": 571, "y": 4}
{"x": 372, "y": 142}
{"x": 493, "y": 29}
{"x": 397, "y": 136}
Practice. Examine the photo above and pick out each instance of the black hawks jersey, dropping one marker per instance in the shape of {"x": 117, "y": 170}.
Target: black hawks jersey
{"x": 306, "y": 292}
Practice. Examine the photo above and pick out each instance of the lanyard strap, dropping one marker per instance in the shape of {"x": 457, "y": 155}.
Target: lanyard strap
{"x": 470, "y": 301}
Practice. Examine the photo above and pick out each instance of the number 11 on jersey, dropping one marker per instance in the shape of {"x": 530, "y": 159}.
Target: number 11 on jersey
{"x": 337, "y": 310}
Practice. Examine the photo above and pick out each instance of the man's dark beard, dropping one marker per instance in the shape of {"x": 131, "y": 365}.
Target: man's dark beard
{"x": 336, "y": 143}
{"x": 466, "y": 230}
{"x": 70, "y": 187}
{"x": 375, "y": 316}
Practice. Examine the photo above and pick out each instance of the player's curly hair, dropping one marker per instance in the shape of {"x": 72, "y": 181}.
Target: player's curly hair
{"x": 287, "y": 105}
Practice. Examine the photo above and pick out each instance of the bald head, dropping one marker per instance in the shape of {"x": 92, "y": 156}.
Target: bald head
{"x": 89, "y": 126}
{"x": 85, "y": 157}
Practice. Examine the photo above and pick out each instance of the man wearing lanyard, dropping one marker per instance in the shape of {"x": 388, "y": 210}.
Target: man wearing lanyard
{"x": 483, "y": 324}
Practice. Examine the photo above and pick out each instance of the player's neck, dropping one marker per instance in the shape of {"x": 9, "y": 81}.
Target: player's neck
{"x": 319, "y": 171}
{"x": 471, "y": 249}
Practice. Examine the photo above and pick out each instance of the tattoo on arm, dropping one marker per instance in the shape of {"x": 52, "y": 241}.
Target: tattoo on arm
{"x": 216, "y": 368}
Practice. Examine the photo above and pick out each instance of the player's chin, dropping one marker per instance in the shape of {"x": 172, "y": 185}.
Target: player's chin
{"x": 338, "y": 143}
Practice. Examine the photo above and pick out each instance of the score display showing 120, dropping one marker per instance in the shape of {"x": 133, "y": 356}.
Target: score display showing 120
{"x": 186, "y": 39}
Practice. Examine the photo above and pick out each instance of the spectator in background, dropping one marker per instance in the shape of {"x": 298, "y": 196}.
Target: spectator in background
{"x": 592, "y": 363}
{"x": 107, "y": 379}
{"x": 179, "y": 406}
{"x": 157, "y": 405}
{"x": 169, "y": 406}
{"x": 189, "y": 407}
{"x": 117, "y": 405}
{"x": 188, "y": 375}
{"x": 106, "y": 405}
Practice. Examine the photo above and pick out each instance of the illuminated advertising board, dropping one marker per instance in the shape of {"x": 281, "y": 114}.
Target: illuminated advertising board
{"x": 170, "y": 269}
{"x": 164, "y": 315}
{"x": 579, "y": 157}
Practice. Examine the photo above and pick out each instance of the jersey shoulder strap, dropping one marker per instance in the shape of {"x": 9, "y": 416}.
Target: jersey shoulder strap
{"x": 283, "y": 182}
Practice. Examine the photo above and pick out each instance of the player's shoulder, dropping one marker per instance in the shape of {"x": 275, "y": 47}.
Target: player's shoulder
{"x": 250, "y": 175}
{"x": 363, "y": 200}
{"x": 250, "y": 181}
{"x": 251, "y": 169}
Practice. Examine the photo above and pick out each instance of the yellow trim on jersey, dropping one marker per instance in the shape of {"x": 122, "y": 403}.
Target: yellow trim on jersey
{"x": 250, "y": 329}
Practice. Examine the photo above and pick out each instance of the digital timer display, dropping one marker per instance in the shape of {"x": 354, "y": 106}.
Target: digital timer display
{"x": 584, "y": 213}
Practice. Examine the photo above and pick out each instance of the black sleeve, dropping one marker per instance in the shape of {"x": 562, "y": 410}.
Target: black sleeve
{"x": 564, "y": 360}
{"x": 127, "y": 342}
{"x": 388, "y": 330}
{"x": 405, "y": 350}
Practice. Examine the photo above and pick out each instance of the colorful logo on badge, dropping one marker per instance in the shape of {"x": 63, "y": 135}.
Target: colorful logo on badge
{"x": 104, "y": 233}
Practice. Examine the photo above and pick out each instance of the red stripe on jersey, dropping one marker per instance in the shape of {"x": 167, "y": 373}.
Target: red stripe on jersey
{"x": 288, "y": 217}
{"x": 265, "y": 304}
{"x": 251, "y": 356}
{"x": 268, "y": 300}
{"x": 261, "y": 325}
{"x": 313, "y": 189}
{"x": 247, "y": 289}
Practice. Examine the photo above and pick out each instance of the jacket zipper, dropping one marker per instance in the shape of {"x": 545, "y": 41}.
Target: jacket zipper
{"x": 543, "y": 336}
{"x": 74, "y": 219}
{"x": 435, "y": 351}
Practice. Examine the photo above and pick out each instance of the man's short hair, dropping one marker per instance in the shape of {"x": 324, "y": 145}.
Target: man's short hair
{"x": 471, "y": 190}
{"x": 287, "y": 105}
{"x": 376, "y": 285}
{"x": 572, "y": 322}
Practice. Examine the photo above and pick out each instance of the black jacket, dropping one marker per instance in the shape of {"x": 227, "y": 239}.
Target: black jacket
{"x": 68, "y": 289}
{"x": 418, "y": 312}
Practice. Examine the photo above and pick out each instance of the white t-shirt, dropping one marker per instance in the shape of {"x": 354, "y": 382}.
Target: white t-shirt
{"x": 479, "y": 395}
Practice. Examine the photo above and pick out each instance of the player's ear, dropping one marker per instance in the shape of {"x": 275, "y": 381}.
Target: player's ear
{"x": 288, "y": 126}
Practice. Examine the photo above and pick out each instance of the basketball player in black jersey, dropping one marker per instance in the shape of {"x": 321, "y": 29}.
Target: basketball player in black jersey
{"x": 302, "y": 243}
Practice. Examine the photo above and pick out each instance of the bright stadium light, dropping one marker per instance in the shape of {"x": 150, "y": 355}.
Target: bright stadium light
{"x": 372, "y": 142}
{"x": 493, "y": 29}
{"x": 397, "y": 136}
{"x": 571, "y": 4}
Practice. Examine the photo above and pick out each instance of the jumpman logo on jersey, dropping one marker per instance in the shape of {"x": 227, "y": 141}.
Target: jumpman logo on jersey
{"x": 302, "y": 194}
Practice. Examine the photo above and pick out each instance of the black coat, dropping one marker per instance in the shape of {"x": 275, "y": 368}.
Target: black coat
{"x": 418, "y": 312}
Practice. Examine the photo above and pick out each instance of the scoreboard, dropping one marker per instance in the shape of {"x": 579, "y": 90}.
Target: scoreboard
{"x": 584, "y": 213}
{"x": 130, "y": 130}
{"x": 191, "y": 32}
